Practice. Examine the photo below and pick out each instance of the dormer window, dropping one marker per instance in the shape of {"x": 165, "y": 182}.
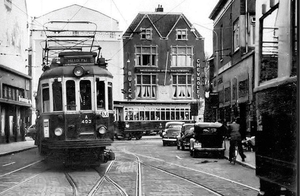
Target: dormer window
{"x": 181, "y": 34}
{"x": 146, "y": 33}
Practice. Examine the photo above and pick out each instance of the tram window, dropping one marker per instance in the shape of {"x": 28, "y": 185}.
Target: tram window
{"x": 57, "y": 96}
{"x": 71, "y": 98}
{"x": 269, "y": 51}
{"x": 85, "y": 95}
{"x": 100, "y": 94}
{"x": 46, "y": 100}
{"x": 110, "y": 98}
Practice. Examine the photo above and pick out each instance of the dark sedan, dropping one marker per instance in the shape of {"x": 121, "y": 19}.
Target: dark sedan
{"x": 169, "y": 137}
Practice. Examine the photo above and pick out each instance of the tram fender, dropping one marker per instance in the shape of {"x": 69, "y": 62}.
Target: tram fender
{"x": 108, "y": 156}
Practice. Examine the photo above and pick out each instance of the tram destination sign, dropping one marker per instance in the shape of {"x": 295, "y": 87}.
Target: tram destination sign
{"x": 76, "y": 60}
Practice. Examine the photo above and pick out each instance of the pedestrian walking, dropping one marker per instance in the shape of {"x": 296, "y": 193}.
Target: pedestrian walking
{"x": 236, "y": 139}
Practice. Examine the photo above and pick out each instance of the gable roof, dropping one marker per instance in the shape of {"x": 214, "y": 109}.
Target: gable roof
{"x": 162, "y": 22}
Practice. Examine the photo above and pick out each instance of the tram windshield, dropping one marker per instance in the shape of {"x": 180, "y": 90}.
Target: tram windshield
{"x": 85, "y": 95}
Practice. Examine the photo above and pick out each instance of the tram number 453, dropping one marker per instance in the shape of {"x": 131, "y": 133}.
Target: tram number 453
{"x": 86, "y": 121}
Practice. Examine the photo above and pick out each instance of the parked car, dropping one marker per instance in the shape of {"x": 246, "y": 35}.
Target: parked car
{"x": 31, "y": 132}
{"x": 208, "y": 140}
{"x": 169, "y": 136}
{"x": 170, "y": 125}
{"x": 186, "y": 133}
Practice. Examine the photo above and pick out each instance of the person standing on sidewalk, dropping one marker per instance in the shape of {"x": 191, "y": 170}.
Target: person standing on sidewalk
{"x": 236, "y": 139}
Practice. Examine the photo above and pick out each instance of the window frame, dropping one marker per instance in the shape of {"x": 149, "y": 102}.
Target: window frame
{"x": 177, "y": 86}
{"x": 175, "y": 54}
{"x": 180, "y": 35}
{"x": 236, "y": 32}
{"x": 141, "y": 55}
{"x": 139, "y": 86}
{"x": 146, "y": 33}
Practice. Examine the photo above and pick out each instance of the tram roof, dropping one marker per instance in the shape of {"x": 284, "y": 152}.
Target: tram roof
{"x": 67, "y": 71}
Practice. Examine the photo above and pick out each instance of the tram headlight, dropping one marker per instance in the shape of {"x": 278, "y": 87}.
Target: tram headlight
{"x": 102, "y": 130}
{"x": 78, "y": 71}
{"x": 127, "y": 125}
{"x": 58, "y": 131}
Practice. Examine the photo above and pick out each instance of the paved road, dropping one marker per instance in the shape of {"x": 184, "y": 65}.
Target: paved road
{"x": 141, "y": 166}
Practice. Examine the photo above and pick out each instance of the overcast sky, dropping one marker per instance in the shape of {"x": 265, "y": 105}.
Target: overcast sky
{"x": 197, "y": 11}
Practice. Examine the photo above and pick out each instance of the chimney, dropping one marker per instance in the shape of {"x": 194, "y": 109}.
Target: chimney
{"x": 159, "y": 8}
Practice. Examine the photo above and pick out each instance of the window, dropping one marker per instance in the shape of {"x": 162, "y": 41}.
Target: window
{"x": 181, "y": 56}
{"x": 182, "y": 86}
{"x": 57, "y": 95}
{"x": 294, "y": 37}
{"x": 269, "y": 44}
{"x": 181, "y": 34}
{"x": 221, "y": 42}
{"x": 236, "y": 35}
{"x": 45, "y": 97}
{"x": 71, "y": 99}
{"x": 100, "y": 85}
{"x": 146, "y": 33}
{"x": 110, "y": 96}
{"x": 85, "y": 95}
{"x": 146, "y": 55}
{"x": 146, "y": 86}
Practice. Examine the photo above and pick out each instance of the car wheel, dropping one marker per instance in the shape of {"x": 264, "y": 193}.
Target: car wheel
{"x": 164, "y": 143}
{"x": 182, "y": 147}
{"x": 178, "y": 147}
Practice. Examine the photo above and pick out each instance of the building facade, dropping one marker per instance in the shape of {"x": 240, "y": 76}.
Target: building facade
{"x": 233, "y": 61}
{"x": 15, "y": 80}
{"x": 163, "y": 67}
{"x": 107, "y": 35}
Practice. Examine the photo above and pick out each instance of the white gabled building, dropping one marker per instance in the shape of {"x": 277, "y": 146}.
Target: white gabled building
{"x": 108, "y": 36}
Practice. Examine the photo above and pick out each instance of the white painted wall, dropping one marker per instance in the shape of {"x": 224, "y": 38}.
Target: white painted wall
{"x": 14, "y": 35}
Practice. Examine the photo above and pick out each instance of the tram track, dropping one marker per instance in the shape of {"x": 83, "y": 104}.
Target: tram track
{"x": 27, "y": 178}
{"x": 194, "y": 176}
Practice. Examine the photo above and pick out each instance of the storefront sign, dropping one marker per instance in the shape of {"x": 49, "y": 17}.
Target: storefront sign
{"x": 198, "y": 78}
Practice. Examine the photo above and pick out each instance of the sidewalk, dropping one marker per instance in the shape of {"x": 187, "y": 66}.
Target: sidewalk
{"x": 249, "y": 161}
{"x": 14, "y": 147}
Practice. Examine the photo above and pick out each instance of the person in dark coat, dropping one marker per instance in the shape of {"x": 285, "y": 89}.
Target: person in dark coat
{"x": 236, "y": 139}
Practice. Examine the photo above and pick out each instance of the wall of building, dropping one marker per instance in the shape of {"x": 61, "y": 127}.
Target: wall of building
{"x": 14, "y": 35}
{"x": 15, "y": 88}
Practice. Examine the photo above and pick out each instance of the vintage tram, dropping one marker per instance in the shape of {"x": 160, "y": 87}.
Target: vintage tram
{"x": 74, "y": 103}
{"x": 135, "y": 119}
{"x": 275, "y": 91}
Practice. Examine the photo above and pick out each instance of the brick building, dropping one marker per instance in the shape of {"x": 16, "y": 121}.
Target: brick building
{"x": 233, "y": 61}
{"x": 163, "y": 68}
